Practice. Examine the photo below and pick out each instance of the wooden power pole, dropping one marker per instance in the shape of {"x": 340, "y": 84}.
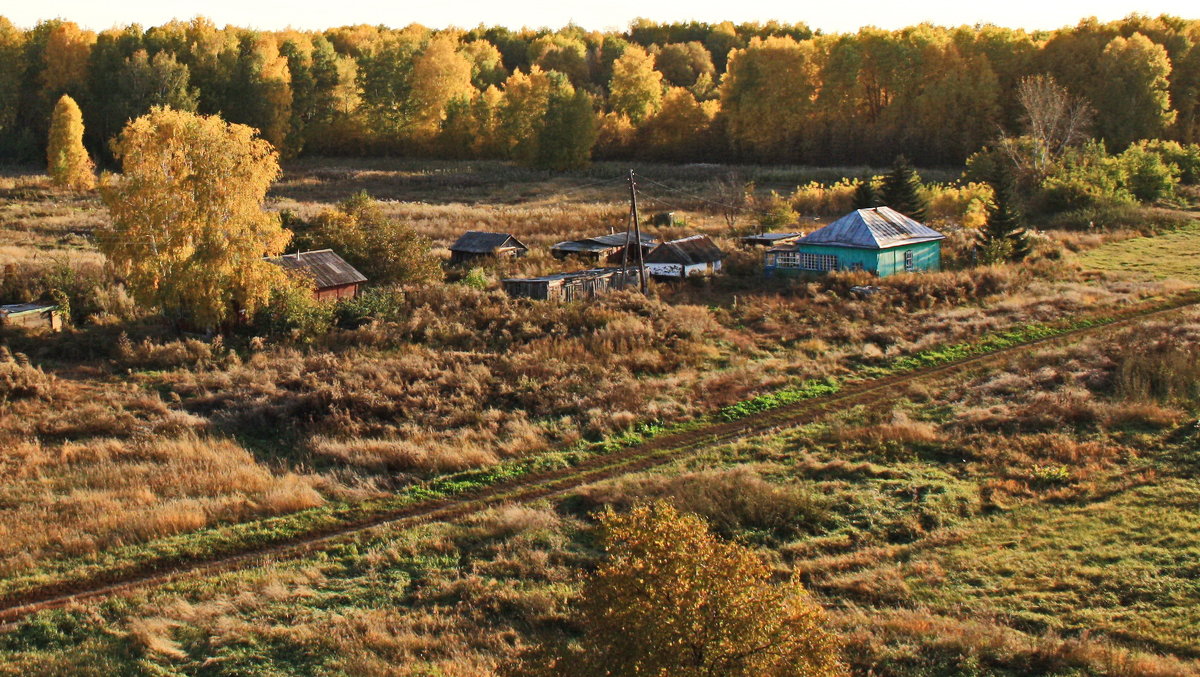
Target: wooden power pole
{"x": 637, "y": 233}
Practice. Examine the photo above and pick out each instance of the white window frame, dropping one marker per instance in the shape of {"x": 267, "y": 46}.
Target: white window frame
{"x": 910, "y": 263}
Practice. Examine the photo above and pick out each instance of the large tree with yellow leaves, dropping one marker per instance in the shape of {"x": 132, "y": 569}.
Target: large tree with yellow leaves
{"x": 674, "y": 599}
{"x": 188, "y": 229}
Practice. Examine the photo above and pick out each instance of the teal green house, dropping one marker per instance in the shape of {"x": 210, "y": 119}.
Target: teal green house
{"x": 880, "y": 240}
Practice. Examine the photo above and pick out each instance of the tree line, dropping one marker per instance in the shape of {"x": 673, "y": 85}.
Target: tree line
{"x": 680, "y": 92}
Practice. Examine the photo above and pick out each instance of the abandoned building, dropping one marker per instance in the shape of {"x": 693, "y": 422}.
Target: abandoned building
{"x": 584, "y": 284}
{"x": 30, "y": 316}
{"x": 475, "y": 244}
{"x": 880, "y": 240}
{"x": 601, "y": 249}
{"x": 333, "y": 278}
{"x": 695, "y": 255}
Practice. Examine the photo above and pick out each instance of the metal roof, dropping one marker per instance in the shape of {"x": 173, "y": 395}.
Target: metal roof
{"x": 600, "y": 243}
{"x": 875, "y": 228}
{"x": 18, "y": 308}
{"x": 480, "y": 242}
{"x": 688, "y": 251}
{"x": 327, "y": 268}
{"x": 771, "y": 237}
{"x": 591, "y": 272}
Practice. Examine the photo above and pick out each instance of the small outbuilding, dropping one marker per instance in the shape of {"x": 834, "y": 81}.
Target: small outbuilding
{"x": 602, "y": 248}
{"x": 333, "y": 278}
{"x": 475, "y": 244}
{"x": 880, "y": 240}
{"x": 769, "y": 239}
{"x": 695, "y": 255}
{"x": 30, "y": 316}
{"x": 584, "y": 284}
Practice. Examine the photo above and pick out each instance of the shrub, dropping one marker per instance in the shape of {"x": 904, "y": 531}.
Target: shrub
{"x": 1147, "y": 175}
{"x": 291, "y": 312}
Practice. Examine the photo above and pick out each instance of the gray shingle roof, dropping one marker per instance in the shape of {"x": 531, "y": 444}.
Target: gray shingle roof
{"x": 327, "y": 268}
{"x": 876, "y": 228}
{"x": 688, "y": 251}
{"x": 599, "y": 243}
{"x": 480, "y": 242}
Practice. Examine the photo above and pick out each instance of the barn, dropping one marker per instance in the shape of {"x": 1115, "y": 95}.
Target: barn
{"x": 600, "y": 249}
{"x": 880, "y": 240}
{"x": 30, "y": 316}
{"x": 695, "y": 255}
{"x": 584, "y": 284}
{"x": 475, "y": 244}
{"x": 333, "y": 278}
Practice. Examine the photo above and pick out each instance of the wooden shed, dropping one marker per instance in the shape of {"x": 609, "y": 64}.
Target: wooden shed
{"x": 30, "y": 316}
{"x": 584, "y": 284}
{"x": 880, "y": 240}
{"x": 695, "y": 255}
{"x": 475, "y": 244}
{"x": 602, "y": 248}
{"x": 333, "y": 278}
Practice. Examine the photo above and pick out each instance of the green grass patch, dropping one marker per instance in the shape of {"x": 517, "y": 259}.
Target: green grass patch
{"x": 1174, "y": 254}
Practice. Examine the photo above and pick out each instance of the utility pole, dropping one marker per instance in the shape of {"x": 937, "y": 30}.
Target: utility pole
{"x": 637, "y": 232}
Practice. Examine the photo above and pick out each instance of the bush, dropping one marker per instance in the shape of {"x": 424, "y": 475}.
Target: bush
{"x": 1185, "y": 158}
{"x": 1088, "y": 177}
{"x": 294, "y": 314}
{"x": 1147, "y": 175}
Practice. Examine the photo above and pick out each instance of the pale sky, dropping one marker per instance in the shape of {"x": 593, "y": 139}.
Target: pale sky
{"x": 829, "y": 15}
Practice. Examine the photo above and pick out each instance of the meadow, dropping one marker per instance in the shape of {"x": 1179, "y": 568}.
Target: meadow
{"x": 122, "y": 438}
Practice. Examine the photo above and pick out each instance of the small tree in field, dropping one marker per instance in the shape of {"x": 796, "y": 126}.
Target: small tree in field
{"x": 67, "y": 160}
{"x": 1003, "y": 237}
{"x": 383, "y": 249}
{"x": 188, "y": 230}
{"x": 673, "y": 599}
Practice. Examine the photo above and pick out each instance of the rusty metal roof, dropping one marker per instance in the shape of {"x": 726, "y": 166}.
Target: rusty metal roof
{"x": 480, "y": 242}
{"x": 875, "y": 228}
{"x": 327, "y": 268}
{"x": 688, "y": 251}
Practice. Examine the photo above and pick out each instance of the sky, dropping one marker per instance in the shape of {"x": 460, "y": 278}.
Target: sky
{"x": 829, "y": 15}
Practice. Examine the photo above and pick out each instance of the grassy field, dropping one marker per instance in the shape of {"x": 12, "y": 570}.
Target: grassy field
{"x": 1171, "y": 255}
{"x": 124, "y": 442}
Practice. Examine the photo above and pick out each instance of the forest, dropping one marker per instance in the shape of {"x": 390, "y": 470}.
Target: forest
{"x": 695, "y": 92}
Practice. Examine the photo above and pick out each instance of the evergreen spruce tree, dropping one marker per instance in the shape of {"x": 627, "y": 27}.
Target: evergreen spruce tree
{"x": 67, "y": 160}
{"x": 902, "y": 190}
{"x": 1003, "y": 237}
{"x": 866, "y": 195}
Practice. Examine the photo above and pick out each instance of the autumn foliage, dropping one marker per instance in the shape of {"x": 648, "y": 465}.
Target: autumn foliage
{"x": 188, "y": 229}
{"x": 674, "y": 599}
{"x": 67, "y": 160}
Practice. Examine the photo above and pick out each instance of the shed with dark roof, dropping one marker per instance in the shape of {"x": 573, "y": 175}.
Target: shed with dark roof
{"x": 30, "y": 316}
{"x": 573, "y": 286}
{"x": 695, "y": 255}
{"x": 602, "y": 248}
{"x": 474, "y": 244}
{"x": 880, "y": 240}
{"x": 332, "y": 277}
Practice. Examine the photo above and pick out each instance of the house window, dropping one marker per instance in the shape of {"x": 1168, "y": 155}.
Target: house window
{"x": 803, "y": 261}
{"x": 909, "y": 265}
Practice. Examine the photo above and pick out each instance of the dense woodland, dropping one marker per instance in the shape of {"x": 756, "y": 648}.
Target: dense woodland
{"x": 680, "y": 92}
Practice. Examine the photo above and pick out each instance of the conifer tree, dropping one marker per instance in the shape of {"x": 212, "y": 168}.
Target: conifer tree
{"x": 67, "y": 160}
{"x": 1003, "y": 237}
{"x": 902, "y": 190}
{"x": 866, "y": 195}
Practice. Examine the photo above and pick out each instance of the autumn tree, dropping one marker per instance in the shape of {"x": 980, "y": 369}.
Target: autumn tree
{"x": 12, "y": 69}
{"x": 563, "y": 53}
{"x": 901, "y": 189}
{"x": 1136, "y": 96}
{"x": 766, "y": 117}
{"x": 682, "y": 63}
{"x": 568, "y": 129}
{"x": 188, "y": 231}
{"x": 384, "y": 249}
{"x": 67, "y": 160}
{"x": 671, "y": 598}
{"x": 636, "y": 88}
{"x": 1053, "y": 118}
{"x": 681, "y": 130}
{"x": 440, "y": 74}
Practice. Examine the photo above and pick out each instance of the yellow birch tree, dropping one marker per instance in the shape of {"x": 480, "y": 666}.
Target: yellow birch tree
{"x": 188, "y": 229}
{"x": 67, "y": 160}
